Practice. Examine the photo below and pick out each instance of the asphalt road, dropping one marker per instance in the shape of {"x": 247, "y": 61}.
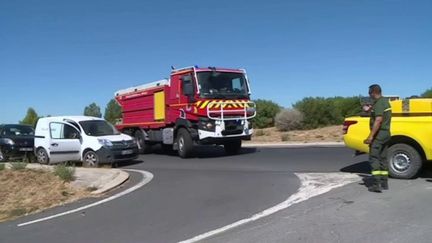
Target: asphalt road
{"x": 189, "y": 197}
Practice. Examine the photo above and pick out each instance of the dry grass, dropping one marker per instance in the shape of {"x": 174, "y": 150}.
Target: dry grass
{"x": 26, "y": 191}
{"x": 325, "y": 134}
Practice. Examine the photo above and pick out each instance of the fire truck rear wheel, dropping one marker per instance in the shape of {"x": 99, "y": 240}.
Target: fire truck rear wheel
{"x": 143, "y": 147}
{"x": 233, "y": 147}
{"x": 185, "y": 143}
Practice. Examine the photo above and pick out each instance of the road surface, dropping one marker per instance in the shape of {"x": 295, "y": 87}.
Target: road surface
{"x": 189, "y": 197}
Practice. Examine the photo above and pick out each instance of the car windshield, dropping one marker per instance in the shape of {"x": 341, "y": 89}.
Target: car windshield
{"x": 215, "y": 84}
{"x": 98, "y": 128}
{"x": 18, "y": 131}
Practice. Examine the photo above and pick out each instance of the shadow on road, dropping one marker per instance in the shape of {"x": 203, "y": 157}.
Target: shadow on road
{"x": 204, "y": 152}
{"x": 363, "y": 169}
{"x": 128, "y": 163}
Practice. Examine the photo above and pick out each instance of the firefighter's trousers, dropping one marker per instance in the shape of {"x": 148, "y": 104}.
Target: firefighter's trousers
{"x": 378, "y": 157}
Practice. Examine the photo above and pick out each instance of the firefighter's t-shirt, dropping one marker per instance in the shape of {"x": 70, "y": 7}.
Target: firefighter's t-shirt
{"x": 381, "y": 108}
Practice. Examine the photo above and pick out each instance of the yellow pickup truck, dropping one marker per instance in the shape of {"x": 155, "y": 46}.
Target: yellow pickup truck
{"x": 411, "y": 130}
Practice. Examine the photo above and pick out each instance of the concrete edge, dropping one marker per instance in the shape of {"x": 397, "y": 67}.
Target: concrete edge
{"x": 294, "y": 145}
{"x": 121, "y": 177}
{"x": 117, "y": 181}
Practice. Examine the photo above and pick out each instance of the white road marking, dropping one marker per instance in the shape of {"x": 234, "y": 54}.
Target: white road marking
{"x": 147, "y": 177}
{"x": 312, "y": 184}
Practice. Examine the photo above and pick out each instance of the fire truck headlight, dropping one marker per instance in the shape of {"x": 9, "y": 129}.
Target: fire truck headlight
{"x": 209, "y": 125}
{"x": 251, "y": 111}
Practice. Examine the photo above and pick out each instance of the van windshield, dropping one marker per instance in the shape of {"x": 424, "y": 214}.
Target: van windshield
{"x": 98, "y": 128}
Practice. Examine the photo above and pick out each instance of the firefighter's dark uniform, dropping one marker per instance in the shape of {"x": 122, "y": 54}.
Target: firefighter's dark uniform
{"x": 378, "y": 148}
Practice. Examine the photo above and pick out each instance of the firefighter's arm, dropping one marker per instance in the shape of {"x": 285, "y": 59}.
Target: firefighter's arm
{"x": 375, "y": 128}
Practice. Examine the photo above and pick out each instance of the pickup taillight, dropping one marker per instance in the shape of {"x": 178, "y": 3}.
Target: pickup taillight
{"x": 347, "y": 124}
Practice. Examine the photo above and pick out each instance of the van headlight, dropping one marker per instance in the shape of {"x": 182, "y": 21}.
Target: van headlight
{"x": 105, "y": 142}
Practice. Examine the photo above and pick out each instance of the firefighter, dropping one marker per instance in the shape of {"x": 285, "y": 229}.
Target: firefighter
{"x": 378, "y": 139}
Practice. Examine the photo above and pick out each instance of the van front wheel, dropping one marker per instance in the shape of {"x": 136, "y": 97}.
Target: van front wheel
{"x": 42, "y": 156}
{"x": 91, "y": 159}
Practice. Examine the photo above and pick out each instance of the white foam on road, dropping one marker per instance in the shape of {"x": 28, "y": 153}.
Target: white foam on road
{"x": 147, "y": 177}
{"x": 312, "y": 185}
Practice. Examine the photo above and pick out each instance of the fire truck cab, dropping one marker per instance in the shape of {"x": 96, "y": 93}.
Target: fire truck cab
{"x": 194, "y": 106}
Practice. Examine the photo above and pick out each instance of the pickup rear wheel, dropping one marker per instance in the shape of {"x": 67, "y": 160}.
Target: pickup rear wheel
{"x": 185, "y": 143}
{"x": 405, "y": 161}
{"x": 143, "y": 146}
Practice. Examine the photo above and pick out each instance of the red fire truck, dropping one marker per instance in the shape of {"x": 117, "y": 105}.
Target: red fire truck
{"x": 194, "y": 106}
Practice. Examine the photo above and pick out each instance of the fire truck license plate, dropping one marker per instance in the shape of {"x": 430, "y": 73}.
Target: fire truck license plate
{"x": 129, "y": 151}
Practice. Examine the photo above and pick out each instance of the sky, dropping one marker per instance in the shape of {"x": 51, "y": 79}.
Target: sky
{"x": 59, "y": 56}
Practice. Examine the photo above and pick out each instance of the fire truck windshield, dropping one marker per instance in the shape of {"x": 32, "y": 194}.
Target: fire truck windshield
{"x": 219, "y": 85}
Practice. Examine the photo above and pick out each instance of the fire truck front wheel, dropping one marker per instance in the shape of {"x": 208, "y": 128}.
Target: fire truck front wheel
{"x": 233, "y": 147}
{"x": 143, "y": 147}
{"x": 185, "y": 143}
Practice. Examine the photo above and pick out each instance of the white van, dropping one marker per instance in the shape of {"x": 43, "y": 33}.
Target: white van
{"x": 91, "y": 140}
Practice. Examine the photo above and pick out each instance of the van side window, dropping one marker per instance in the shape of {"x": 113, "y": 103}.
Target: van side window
{"x": 63, "y": 131}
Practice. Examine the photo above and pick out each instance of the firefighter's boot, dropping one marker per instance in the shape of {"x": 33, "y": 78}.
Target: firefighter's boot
{"x": 376, "y": 186}
{"x": 384, "y": 184}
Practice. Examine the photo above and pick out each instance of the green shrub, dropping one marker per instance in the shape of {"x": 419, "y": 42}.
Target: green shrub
{"x": 427, "y": 93}
{"x": 266, "y": 112}
{"x": 2, "y": 166}
{"x": 66, "y": 173}
{"x": 18, "y": 165}
{"x": 288, "y": 119}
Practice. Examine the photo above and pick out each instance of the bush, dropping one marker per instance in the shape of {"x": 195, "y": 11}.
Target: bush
{"x": 319, "y": 112}
{"x": 288, "y": 119}
{"x": 427, "y": 93}
{"x": 18, "y": 165}
{"x": 2, "y": 167}
{"x": 285, "y": 137}
{"x": 66, "y": 173}
{"x": 259, "y": 133}
{"x": 266, "y": 111}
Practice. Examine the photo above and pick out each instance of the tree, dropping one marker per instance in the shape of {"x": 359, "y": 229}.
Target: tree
{"x": 266, "y": 112}
{"x": 427, "y": 93}
{"x": 92, "y": 110}
{"x": 31, "y": 118}
{"x": 112, "y": 111}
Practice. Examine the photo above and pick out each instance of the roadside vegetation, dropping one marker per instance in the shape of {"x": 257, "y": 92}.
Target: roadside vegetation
{"x": 312, "y": 119}
{"x": 26, "y": 191}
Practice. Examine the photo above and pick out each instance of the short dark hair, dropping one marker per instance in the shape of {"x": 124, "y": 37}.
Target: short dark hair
{"x": 375, "y": 88}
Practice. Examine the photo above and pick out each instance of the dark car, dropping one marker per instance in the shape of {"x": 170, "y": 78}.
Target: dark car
{"x": 16, "y": 141}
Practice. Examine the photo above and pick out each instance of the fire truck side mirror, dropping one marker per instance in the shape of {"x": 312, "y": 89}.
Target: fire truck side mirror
{"x": 188, "y": 88}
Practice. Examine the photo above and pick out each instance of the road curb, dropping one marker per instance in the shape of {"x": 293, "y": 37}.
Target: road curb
{"x": 101, "y": 179}
{"x": 293, "y": 145}
{"x": 121, "y": 177}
